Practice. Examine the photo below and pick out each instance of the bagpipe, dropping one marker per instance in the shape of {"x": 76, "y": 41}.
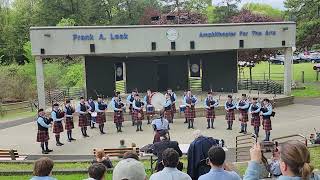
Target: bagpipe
{"x": 60, "y": 114}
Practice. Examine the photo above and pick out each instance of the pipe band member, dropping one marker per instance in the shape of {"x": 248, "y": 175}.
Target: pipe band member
{"x": 117, "y": 107}
{"x": 265, "y": 113}
{"x": 43, "y": 135}
{"x": 130, "y": 100}
{"x": 167, "y": 114}
{"x": 190, "y": 101}
{"x": 210, "y": 103}
{"x": 91, "y": 118}
{"x": 101, "y": 107}
{"x": 150, "y": 111}
{"x": 69, "y": 125}
{"x": 160, "y": 127}
{"x": 230, "y": 106}
{"x": 57, "y": 116}
{"x": 138, "y": 112}
{"x": 173, "y": 98}
{"x": 243, "y": 107}
{"x": 254, "y": 110}
{"x": 83, "y": 110}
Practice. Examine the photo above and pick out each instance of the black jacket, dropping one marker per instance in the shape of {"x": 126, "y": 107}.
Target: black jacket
{"x": 159, "y": 147}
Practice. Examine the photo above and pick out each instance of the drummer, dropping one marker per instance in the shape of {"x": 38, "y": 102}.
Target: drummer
{"x": 168, "y": 108}
{"x": 160, "y": 126}
{"x": 149, "y": 107}
{"x": 130, "y": 100}
{"x": 183, "y": 106}
{"x": 173, "y": 98}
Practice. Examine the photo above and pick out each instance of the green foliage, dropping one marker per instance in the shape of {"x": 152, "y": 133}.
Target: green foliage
{"x": 264, "y": 9}
{"x": 67, "y": 22}
{"x": 74, "y": 76}
{"x": 27, "y": 52}
{"x": 212, "y": 16}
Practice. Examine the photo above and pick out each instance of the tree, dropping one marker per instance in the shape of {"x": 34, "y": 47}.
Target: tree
{"x": 263, "y": 9}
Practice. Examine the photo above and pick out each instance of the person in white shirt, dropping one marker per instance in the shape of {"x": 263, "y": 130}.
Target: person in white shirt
{"x": 170, "y": 160}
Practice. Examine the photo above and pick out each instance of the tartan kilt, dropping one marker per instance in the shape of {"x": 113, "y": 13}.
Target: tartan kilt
{"x": 42, "y": 136}
{"x": 69, "y": 123}
{"x": 83, "y": 122}
{"x": 244, "y": 115}
{"x": 130, "y": 110}
{"x": 190, "y": 113}
{"x": 255, "y": 120}
{"x": 118, "y": 117}
{"x": 135, "y": 115}
{"x": 101, "y": 117}
{"x": 267, "y": 124}
{"x": 173, "y": 108}
{"x": 57, "y": 127}
{"x": 168, "y": 115}
{"x": 230, "y": 115}
{"x": 210, "y": 114}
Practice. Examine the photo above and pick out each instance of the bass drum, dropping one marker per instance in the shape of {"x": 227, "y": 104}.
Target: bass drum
{"x": 157, "y": 100}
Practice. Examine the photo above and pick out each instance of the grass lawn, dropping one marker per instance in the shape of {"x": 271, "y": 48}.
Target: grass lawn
{"x": 311, "y": 90}
{"x": 18, "y": 115}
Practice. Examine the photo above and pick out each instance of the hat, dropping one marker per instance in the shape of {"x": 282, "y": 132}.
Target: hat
{"x": 68, "y": 101}
{"x": 55, "y": 104}
{"x": 130, "y": 169}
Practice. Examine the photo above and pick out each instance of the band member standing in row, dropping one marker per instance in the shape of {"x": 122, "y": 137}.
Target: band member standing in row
{"x": 100, "y": 108}
{"x": 210, "y": 103}
{"x": 130, "y": 100}
{"x": 167, "y": 106}
{"x": 190, "y": 101}
{"x": 243, "y": 106}
{"x": 230, "y": 106}
{"x": 173, "y": 98}
{"x": 82, "y": 110}
{"x": 149, "y": 107}
{"x": 160, "y": 126}
{"x": 43, "y": 135}
{"x": 254, "y": 110}
{"x": 69, "y": 125}
{"x": 57, "y": 117}
{"x": 117, "y": 107}
{"x": 138, "y": 112}
{"x": 92, "y": 109}
{"x": 184, "y": 95}
{"x": 266, "y": 112}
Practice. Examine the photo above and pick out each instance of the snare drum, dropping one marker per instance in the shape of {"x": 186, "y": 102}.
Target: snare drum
{"x": 94, "y": 114}
{"x": 150, "y": 108}
{"x": 183, "y": 108}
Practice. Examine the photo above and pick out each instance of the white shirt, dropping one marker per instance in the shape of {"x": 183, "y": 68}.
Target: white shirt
{"x": 170, "y": 174}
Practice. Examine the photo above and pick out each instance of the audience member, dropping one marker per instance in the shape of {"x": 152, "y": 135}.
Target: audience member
{"x": 102, "y": 158}
{"x": 122, "y": 144}
{"x": 131, "y": 154}
{"x": 43, "y": 169}
{"x": 129, "y": 169}
{"x": 170, "y": 160}
{"x": 294, "y": 162}
{"x": 97, "y": 172}
{"x": 216, "y": 158}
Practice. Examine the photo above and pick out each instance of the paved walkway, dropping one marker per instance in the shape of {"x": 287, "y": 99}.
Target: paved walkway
{"x": 297, "y": 118}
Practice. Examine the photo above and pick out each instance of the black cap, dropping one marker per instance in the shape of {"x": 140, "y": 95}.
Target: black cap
{"x": 68, "y": 101}
{"x": 266, "y": 99}
{"x": 55, "y": 104}
{"x": 229, "y": 96}
{"x": 40, "y": 110}
{"x": 209, "y": 92}
{"x": 244, "y": 95}
{"x": 255, "y": 98}
{"x": 81, "y": 97}
{"x": 137, "y": 95}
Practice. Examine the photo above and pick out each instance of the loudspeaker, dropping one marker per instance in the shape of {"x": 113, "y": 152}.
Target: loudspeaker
{"x": 173, "y": 45}
{"x": 92, "y": 48}
{"x": 153, "y": 46}
{"x": 283, "y": 43}
{"x": 42, "y": 51}
{"x": 241, "y": 43}
{"x": 192, "y": 45}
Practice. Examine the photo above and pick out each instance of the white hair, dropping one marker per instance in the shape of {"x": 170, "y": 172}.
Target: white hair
{"x": 197, "y": 133}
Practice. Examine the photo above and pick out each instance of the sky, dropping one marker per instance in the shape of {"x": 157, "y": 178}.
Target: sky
{"x": 274, "y": 3}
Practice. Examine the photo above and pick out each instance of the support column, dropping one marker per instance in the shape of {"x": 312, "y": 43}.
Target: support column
{"x": 287, "y": 71}
{"x": 40, "y": 82}
{"x": 124, "y": 72}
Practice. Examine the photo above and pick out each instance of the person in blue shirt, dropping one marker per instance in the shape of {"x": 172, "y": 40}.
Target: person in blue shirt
{"x": 160, "y": 126}
{"x": 230, "y": 106}
{"x": 190, "y": 101}
{"x": 92, "y": 119}
{"x": 149, "y": 107}
{"x": 57, "y": 117}
{"x": 43, "y": 135}
{"x": 219, "y": 170}
{"x": 266, "y": 112}
{"x": 184, "y": 106}
{"x": 173, "y": 98}
{"x": 83, "y": 109}
{"x": 243, "y": 106}
{"x": 209, "y": 104}
{"x": 69, "y": 125}
{"x": 138, "y": 106}
{"x": 167, "y": 106}
{"x": 117, "y": 107}
{"x": 100, "y": 108}
{"x": 43, "y": 169}
{"x": 130, "y": 100}
{"x": 254, "y": 110}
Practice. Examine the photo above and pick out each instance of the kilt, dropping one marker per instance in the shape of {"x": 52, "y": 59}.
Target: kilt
{"x": 83, "y": 122}
{"x": 130, "y": 110}
{"x": 42, "y": 136}
{"x": 57, "y": 127}
{"x": 244, "y": 115}
{"x": 156, "y": 137}
{"x": 101, "y": 118}
{"x": 173, "y": 108}
{"x": 255, "y": 120}
{"x": 230, "y": 115}
{"x": 267, "y": 124}
{"x": 190, "y": 113}
{"x": 69, "y": 123}
{"x": 118, "y": 117}
{"x": 135, "y": 115}
{"x": 168, "y": 115}
{"x": 210, "y": 114}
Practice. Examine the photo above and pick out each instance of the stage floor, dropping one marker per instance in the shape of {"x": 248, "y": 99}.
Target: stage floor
{"x": 292, "y": 119}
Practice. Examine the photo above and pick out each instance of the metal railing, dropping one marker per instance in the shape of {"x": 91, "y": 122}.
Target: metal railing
{"x": 264, "y": 86}
{"x": 62, "y": 94}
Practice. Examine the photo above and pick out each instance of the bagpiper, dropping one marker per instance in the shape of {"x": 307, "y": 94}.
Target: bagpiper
{"x": 230, "y": 106}
{"x": 160, "y": 126}
{"x": 83, "y": 110}
{"x": 117, "y": 107}
{"x": 43, "y": 131}
{"x": 100, "y": 108}
{"x": 266, "y": 113}
{"x": 210, "y": 103}
{"x": 190, "y": 113}
{"x": 130, "y": 100}
{"x": 243, "y": 107}
{"x": 57, "y": 116}
{"x": 167, "y": 106}
{"x": 92, "y": 118}
{"x": 254, "y": 110}
{"x": 149, "y": 107}
{"x": 138, "y": 112}
{"x": 69, "y": 125}
{"x": 173, "y": 98}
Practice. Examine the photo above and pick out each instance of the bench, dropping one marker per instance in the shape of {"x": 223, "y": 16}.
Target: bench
{"x": 7, "y": 154}
{"x": 118, "y": 152}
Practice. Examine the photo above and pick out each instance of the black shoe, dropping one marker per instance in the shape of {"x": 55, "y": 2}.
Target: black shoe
{"x": 102, "y": 132}
{"x": 244, "y": 132}
{"x": 241, "y": 131}
{"x": 58, "y": 144}
{"x": 186, "y": 122}
{"x": 189, "y": 127}
{"x": 141, "y": 129}
{"x": 49, "y": 150}
{"x": 137, "y": 130}
{"x": 45, "y": 152}
{"x": 208, "y": 127}
{"x": 120, "y": 130}
{"x": 72, "y": 139}
{"x": 212, "y": 127}
{"x": 69, "y": 140}
{"x": 61, "y": 143}
{"x": 87, "y": 135}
